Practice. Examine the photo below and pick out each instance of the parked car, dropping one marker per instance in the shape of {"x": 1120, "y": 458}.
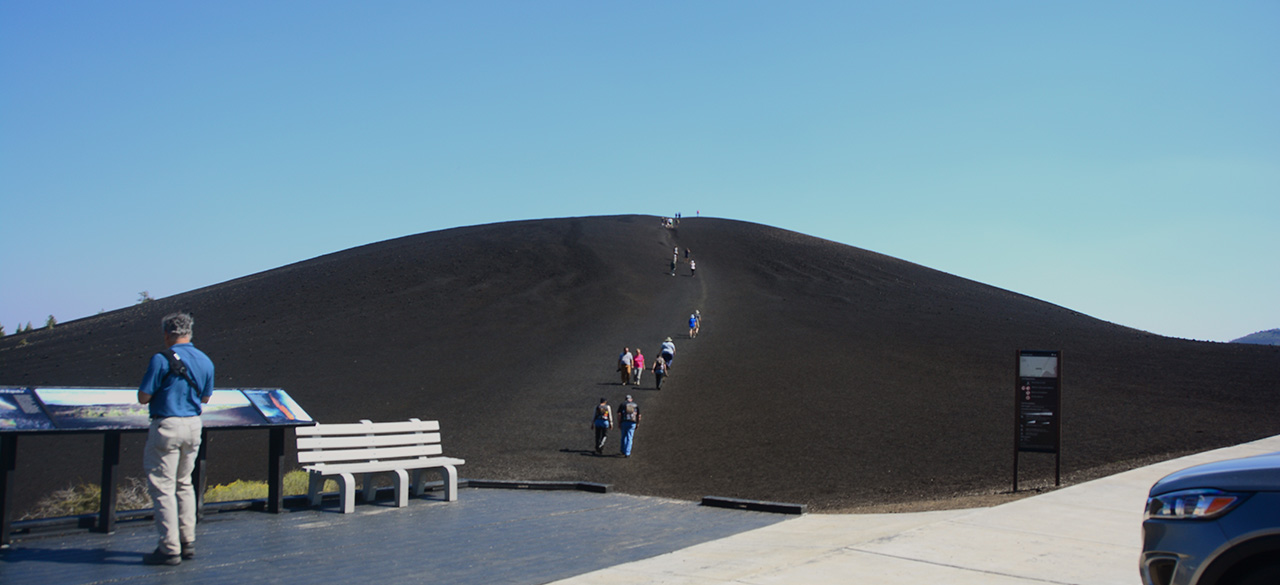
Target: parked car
{"x": 1214, "y": 524}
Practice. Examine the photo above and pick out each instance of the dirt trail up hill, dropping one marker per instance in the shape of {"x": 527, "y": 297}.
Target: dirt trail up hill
{"x": 824, "y": 374}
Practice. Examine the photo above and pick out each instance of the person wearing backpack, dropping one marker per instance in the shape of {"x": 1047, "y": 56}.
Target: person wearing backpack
{"x": 624, "y": 365}
{"x": 178, "y": 382}
{"x": 628, "y": 420}
{"x": 659, "y": 372}
{"x": 601, "y": 423}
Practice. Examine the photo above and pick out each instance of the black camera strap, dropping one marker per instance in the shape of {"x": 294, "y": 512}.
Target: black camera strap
{"x": 176, "y": 367}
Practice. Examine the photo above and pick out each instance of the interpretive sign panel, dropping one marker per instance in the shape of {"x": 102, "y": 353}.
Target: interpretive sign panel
{"x": 75, "y": 409}
{"x": 1038, "y": 401}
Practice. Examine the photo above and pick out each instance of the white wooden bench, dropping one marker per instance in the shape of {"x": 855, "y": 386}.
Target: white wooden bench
{"x": 368, "y": 448}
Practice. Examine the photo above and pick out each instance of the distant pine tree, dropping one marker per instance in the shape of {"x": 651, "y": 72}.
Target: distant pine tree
{"x": 50, "y": 322}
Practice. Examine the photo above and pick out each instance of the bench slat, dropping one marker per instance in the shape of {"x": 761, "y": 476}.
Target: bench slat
{"x": 379, "y": 453}
{"x": 320, "y": 429}
{"x": 344, "y": 442}
{"x": 406, "y": 464}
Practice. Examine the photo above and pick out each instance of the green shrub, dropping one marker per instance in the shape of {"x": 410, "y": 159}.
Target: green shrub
{"x": 236, "y": 490}
{"x": 295, "y": 484}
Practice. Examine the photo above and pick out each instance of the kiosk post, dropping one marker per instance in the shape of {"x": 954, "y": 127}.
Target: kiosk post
{"x": 275, "y": 471}
{"x": 8, "y": 462}
{"x": 110, "y": 471}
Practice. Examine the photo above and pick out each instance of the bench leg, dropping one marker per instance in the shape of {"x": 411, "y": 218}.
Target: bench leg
{"x": 315, "y": 483}
{"x": 347, "y": 491}
{"x": 370, "y": 492}
{"x": 402, "y": 487}
{"x": 419, "y": 482}
{"x": 450, "y": 474}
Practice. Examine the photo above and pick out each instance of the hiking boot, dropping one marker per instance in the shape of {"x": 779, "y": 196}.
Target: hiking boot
{"x": 158, "y": 558}
{"x": 188, "y": 551}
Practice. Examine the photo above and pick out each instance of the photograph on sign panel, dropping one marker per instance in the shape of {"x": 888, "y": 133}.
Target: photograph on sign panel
{"x": 1035, "y": 366}
{"x": 230, "y": 408}
{"x": 277, "y": 406}
{"x": 118, "y": 408}
{"x": 19, "y": 411}
{"x": 94, "y": 408}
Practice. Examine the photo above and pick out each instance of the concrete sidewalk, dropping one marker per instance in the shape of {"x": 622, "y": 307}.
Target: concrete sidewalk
{"x": 1085, "y": 534}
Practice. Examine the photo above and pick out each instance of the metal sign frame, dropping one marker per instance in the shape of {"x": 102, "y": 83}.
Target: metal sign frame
{"x": 1037, "y": 410}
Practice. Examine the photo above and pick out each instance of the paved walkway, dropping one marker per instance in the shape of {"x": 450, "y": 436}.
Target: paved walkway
{"x": 486, "y": 536}
{"x": 1085, "y": 534}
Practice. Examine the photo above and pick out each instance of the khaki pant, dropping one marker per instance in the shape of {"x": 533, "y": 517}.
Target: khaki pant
{"x": 172, "y": 444}
{"x": 625, "y": 370}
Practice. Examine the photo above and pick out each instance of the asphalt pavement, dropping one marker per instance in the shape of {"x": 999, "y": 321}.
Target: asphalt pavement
{"x": 1084, "y": 534}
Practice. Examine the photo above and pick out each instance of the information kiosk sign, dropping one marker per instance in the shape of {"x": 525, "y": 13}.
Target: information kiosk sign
{"x": 1038, "y": 407}
{"x": 112, "y": 411}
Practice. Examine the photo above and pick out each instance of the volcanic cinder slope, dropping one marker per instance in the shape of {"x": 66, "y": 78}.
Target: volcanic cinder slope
{"x": 824, "y": 374}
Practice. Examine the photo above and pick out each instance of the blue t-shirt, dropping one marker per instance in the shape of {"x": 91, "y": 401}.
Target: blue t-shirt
{"x": 173, "y": 395}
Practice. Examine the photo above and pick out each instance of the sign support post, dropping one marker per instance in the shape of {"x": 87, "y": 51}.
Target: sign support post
{"x": 110, "y": 470}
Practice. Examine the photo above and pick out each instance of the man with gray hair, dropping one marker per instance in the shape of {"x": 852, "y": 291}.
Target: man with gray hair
{"x": 179, "y": 381}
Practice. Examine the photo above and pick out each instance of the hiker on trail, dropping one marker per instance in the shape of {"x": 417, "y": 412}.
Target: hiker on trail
{"x": 628, "y": 419}
{"x": 673, "y": 264}
{"x": 693, "y": 268}
{"x": 686, "y": 253}
{"x": 659, "y": 372}
{"x": 178, "y": 382}
{"x": 693, "y": 325}
{"x": 601, "y": 422}
{"x": 669, "y": 351}
{"x": 637, "y": 367}
{"x": 624, "y": 365}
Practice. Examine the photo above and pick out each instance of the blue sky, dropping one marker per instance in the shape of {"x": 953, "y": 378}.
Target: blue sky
{"x": 1121, "y": 159}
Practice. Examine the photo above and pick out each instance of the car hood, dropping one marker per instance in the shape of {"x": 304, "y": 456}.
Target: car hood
{"x": 1252, "y": 474}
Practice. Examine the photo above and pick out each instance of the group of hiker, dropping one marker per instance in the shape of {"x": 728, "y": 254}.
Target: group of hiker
{"x": 628, "y": 419}
{"x": 675, "y": 261}
{"x": 630, "y": 367}
{"x": 672, "y": 222}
